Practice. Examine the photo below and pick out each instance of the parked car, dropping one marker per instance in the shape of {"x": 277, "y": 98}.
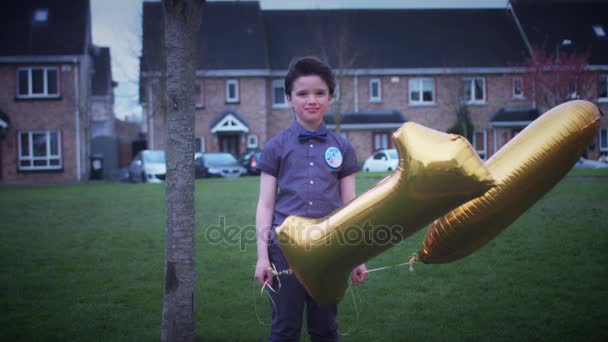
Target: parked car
{"x": 250, "y": 161}
{"x": 382, "y": 160}
{"x": 217, "y": 164}
{"x": 583, "y": 163}
{"x": 603, "y": 159}
{"x": 148, "y": 166}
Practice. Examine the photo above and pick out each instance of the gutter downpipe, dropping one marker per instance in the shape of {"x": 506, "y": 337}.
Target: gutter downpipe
{"x": 525, "y": 38}
{"x": 151, "y": 116}
{"x": 356, "y": 93}
{"x": 77, "y": 101}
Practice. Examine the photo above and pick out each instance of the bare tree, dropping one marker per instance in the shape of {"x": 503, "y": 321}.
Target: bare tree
{"x": 182, "y": 22}
{"x": 463, "y": 124}
{"x": 552, "y": 79}
{"x": 345, "y": 57}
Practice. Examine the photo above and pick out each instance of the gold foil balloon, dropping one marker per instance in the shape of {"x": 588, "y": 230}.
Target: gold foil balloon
{"x": 524, "y": 169}
{"x": 437, "y": 172}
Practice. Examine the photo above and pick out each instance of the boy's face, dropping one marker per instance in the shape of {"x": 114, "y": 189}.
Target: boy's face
{"x": 310, "y": 100}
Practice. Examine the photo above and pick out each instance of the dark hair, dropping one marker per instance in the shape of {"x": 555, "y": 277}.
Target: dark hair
{"x": 308, "y": 66}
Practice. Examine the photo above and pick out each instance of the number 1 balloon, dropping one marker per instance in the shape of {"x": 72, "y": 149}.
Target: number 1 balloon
{"x": 437, "y": 172}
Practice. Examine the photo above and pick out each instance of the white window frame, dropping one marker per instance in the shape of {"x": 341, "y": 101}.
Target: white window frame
{"x": 277, "y": 104}
{"x": 381, "y": 140}
{"x": 45, "y": 82}
{"x": 30, "y": 153}
{"x": 378, "y": 83}
{"x": 521, "y": 83}
{"x": 420, "y": 82}
{"x": 200, "y": 97}
{"x": 234, "y": 83}
{"x": 336, "y": 93}
{"x": 603, "y": 99}
{"x": 473, "y": 99}
{"x": 252, "y": 141}
{"x": 604, "y": 132}
{"x": 40, "y": 15}
{"x": 483, "y": 153}
{"x": 201, "y": 139}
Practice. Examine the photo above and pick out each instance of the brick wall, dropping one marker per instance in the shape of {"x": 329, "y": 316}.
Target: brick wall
{"x": 265, "y": 121}
{"x": 51, "y": 114}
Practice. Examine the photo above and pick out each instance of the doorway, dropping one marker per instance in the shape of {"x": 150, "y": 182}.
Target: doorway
{"x": 229, "y": 143}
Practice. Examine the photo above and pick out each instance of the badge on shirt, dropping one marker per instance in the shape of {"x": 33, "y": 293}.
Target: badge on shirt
{"x": 333, "y": 157}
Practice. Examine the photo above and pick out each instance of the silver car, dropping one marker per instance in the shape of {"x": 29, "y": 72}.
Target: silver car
{"x": 148, "y": 166}
{"x": 217, "y": 165}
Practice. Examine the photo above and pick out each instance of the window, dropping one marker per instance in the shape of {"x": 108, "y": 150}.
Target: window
{"x": 518, "y": 88}
{"x": 39, "y": 150}
{"x": 422, "y": 91}
{"x": 474, "y": 90}
{"x": 199, "y": 144}
{"x": 375, "y": 90}
{"x": 380, "y": 156}
{"x": 602, "y": 92}
{"x": 200, "y": 94}
{"x": 36, "y": 82}
{"x": 380, "y": 141}
{"x": 479, "y": 142}
{"x": 336, "y": 93}
{"x": 232, "y": 91}
{"x": 278, "y": 94}
{"x": 604, "y": 140}
{"x": 572, "y": 93}
{"x": 252, "y": 141}
{"x": 41, "y": 15}
{"x": 599, "y": 31}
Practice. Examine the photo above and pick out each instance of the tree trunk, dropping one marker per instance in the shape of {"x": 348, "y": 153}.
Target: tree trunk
{"x": 182, "y": 22}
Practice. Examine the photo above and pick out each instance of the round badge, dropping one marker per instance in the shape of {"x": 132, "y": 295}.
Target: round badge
{"x": 333, "y": 157}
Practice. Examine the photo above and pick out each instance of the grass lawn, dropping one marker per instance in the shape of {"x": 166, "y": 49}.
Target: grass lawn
{"x": 85, "y": 262}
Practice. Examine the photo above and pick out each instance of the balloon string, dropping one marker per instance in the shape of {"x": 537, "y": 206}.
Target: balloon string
{"x": 411, "y": 261}
{"x": 266, "y": 287}
{"x": 353, "y": 292}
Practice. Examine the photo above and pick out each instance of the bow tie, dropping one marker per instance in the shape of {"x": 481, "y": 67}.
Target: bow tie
{"x": 306, "y": 135}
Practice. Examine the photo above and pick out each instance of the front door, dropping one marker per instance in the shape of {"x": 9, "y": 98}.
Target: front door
{"x": 229, "y": 143}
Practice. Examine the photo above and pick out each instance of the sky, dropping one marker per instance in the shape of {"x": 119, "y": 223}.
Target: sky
{"x": 117, "y": 24}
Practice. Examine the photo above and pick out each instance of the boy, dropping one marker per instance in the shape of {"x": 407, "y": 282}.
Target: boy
{"x": 314, "y": 171}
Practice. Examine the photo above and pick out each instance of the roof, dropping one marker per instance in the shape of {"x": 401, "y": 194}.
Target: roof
{"x": 368, "y": 117}
{"x": 397, "y": 38}
{"x": 63, "y": 33}
{"x": 102, "y": 77}
{"x": 232, "y": 36}
{"x": 225, "y": 113}
{"x": 239, "y": 35}
{"x": 547, "y": 25}
{"x": 515, "y": 114}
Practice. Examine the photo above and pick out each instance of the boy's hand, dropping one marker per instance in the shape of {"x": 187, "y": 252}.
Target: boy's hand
{"x": 263, "y": 272}
{"x": 359, "y": 274}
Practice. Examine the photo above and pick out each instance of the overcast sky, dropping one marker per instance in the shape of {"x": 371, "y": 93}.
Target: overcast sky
{"x": 117, "y": 24}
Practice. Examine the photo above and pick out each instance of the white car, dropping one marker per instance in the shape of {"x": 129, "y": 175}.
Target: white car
{"x": 583, "y": 163}
{"x": 148, "y": 166}
{"x": 381, "y": 161}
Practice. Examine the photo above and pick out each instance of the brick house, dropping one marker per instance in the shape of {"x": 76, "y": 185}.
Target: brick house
{"x": 392, "y": 66}
{"x": 551, "y": 26}
{"x": 45, "y": 81}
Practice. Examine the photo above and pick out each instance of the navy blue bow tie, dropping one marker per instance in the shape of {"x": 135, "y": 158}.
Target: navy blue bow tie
{"x": 304, "y": 136}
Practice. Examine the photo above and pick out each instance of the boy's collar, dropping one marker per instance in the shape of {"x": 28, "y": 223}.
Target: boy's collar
{"x": 296, "y": 127}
